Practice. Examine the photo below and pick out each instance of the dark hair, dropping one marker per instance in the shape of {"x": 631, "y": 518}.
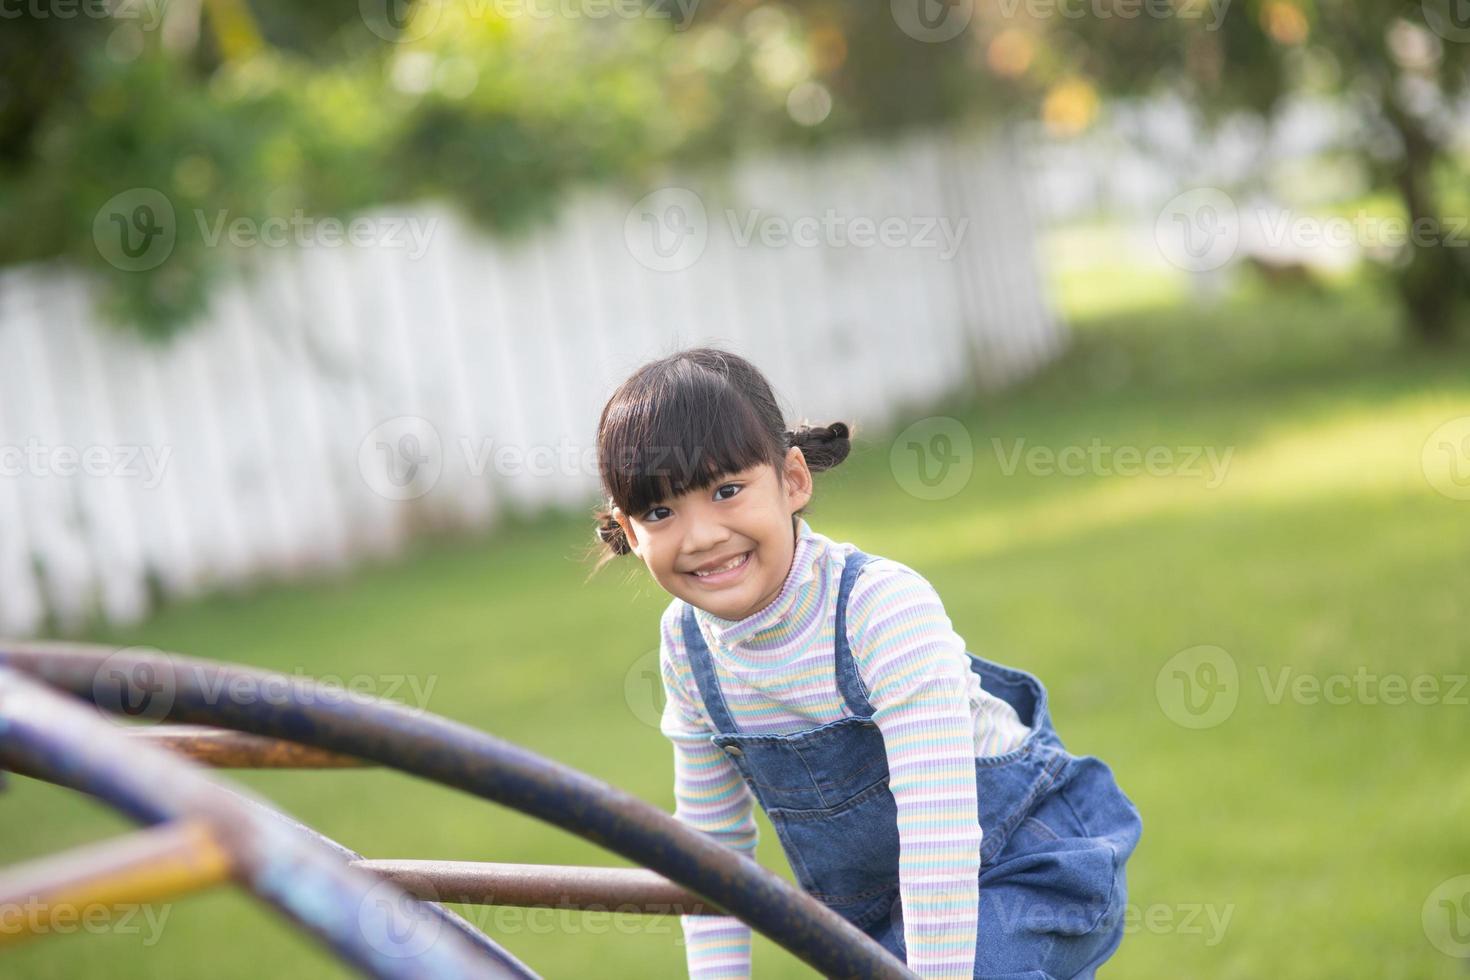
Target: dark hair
{"x": 681, "y": 422}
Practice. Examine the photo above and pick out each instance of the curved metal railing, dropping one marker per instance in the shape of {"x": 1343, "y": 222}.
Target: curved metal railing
{"x": 339, "y": 723}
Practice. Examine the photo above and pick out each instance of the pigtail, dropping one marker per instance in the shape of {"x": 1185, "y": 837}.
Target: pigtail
{"x": 608, "y": 540}
{"x": 824, "y": 446}
{"x": 610, "y": 533}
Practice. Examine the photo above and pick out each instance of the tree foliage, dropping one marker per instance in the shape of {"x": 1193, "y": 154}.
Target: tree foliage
{"x": 261, "y": 108}
{"x": 1401, "y": 68}
{"x": 253, "y": 113}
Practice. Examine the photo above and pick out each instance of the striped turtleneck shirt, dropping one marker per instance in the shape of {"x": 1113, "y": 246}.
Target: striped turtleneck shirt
{"x": 776, "y": 670}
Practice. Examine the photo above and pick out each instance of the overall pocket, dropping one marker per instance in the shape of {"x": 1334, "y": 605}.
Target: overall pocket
{"x": 846, "y": 856}
{"x": 1061, "y": 866}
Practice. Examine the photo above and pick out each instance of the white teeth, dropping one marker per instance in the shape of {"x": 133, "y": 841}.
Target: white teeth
{"x": 723, "y": 568}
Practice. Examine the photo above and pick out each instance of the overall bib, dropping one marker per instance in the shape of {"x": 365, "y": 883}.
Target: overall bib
{"x": 1057, "y": 829}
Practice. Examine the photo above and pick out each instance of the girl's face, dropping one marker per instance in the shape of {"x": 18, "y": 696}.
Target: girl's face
{"x": 745, "y": 516}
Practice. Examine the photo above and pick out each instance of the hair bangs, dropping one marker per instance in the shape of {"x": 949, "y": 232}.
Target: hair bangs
{"x": 697, "y": 430}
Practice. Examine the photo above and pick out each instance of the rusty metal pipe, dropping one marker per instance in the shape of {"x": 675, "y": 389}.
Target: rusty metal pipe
{"x": 417, "y": 742}
{"x": 566, "y": 886}
{"x": 151, "y": 865}
{"x": 221, "y": 748}
{"x": 369, "y": 923}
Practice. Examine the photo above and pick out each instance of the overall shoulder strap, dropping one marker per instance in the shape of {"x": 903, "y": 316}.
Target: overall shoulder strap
{"x": 854, "y": 692}
{"x": 704, "y": 674}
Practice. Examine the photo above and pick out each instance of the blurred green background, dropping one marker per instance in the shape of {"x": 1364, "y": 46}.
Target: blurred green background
{"x": 1293, "y": 839}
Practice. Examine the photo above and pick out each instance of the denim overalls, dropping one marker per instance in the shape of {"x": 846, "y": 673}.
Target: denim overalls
{"x": 1057, "y": 830}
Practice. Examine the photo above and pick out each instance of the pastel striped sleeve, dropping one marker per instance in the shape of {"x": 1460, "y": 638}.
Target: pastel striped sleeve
{"x": 710, "y": 795}
{"x": 915, "y": 669}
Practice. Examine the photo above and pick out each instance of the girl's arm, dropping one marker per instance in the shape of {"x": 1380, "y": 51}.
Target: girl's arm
{"x": 710, "y": 795}
{"x": 916, "y": 672}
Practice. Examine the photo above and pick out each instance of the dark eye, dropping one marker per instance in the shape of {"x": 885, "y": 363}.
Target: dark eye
{"x": 727, "y": 486}
{"x": 647, "y": 519}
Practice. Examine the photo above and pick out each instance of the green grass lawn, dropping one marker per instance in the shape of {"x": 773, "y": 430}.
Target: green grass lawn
{"x": 1295, "y": 838}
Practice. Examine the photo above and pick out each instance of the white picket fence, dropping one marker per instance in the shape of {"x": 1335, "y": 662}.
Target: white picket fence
{"x": 338, "y": 399}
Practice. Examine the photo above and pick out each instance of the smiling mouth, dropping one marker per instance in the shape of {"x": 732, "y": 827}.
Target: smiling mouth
{"x": 725, "y": 574}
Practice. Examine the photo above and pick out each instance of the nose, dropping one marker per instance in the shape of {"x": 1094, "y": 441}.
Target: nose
{"x": 705, "y": 536}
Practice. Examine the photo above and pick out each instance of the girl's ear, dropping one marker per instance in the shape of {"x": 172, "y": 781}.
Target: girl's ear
{"x": 627, "y": 526}
{"x": 798, "y": 479}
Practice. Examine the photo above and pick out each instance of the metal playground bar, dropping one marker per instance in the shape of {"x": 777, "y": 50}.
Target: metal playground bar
{"x": 381, "y": 917}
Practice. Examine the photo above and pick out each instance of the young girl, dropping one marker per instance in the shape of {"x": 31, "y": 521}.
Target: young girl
{"x": 917, "y": 790}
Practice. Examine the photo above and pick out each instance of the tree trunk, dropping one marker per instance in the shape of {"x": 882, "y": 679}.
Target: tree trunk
{"x": 1432, "y": 285}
